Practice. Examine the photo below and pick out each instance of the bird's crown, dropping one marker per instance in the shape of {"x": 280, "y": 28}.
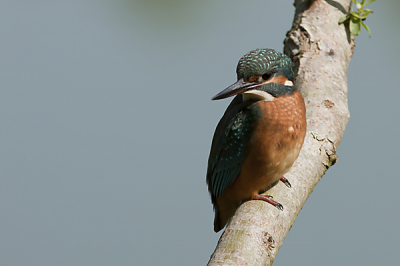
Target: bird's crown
{"x": 260, "y": 61}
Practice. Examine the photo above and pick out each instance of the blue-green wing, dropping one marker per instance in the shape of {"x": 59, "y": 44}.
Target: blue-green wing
{"x": 228, "y": 147}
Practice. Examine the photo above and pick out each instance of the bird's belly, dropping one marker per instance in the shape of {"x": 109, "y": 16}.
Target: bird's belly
{"x": 267, "y": 163}
{"x": 263, "y": 167}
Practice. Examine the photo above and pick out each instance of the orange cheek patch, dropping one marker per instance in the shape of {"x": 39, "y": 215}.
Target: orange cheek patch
{"x": 254, "y": 78}
{"x": 279, "y": 79}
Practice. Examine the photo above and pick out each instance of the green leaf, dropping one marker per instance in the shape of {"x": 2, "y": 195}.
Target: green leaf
{"x": 358, "y": 4}
{"x": 369, "y": 2}
{"x": 354, "y": 14}
{"x": 355, "y": 25}
{"x": 354, "y": 1}
{"x": 364, "y": 15}
{"x": 366, "y": 27}
{"x": 344, "y": 18}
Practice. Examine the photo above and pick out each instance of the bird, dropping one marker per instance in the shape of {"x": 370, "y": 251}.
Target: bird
{"x": 259, "y": 136}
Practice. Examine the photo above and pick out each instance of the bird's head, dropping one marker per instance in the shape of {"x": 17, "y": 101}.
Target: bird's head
{"x": 261, "y": 74}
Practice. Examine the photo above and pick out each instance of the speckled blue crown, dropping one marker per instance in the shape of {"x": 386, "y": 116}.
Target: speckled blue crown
{"x": 255, "y": 62}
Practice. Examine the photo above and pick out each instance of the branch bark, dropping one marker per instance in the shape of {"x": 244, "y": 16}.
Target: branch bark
{"x": 321, "y": 51}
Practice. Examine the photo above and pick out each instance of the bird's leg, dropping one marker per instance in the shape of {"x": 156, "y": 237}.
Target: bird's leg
{"x": 285, "y": 181}
{"x": 268, "y": 199}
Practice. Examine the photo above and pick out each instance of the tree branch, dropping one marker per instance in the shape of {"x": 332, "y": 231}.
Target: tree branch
{"x": 321, "y": 51}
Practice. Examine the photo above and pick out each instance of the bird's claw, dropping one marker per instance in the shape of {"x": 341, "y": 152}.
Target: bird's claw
{"x": 268, "y": 199}
{"x": 286, "y": 182}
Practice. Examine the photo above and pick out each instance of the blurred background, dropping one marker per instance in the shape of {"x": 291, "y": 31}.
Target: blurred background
{"x": 106, "y": 125}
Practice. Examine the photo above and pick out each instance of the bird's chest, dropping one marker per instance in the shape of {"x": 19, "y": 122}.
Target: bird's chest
{"x": 278, "y": 134}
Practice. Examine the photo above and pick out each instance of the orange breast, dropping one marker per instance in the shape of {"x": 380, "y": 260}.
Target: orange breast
{"x": 276, "y": 142}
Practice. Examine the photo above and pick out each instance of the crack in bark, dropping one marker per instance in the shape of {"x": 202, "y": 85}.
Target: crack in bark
{"x": 328, "y": 146}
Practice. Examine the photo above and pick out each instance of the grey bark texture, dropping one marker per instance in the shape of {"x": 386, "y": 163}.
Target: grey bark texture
{"x": 321, "y": 51}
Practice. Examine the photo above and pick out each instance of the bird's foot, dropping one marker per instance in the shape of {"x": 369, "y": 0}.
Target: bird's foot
{"x": 285, "y": 181}
{"x": 268, "y": 199}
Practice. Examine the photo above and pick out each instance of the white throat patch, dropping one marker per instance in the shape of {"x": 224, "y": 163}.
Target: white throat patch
{"x": 288, "y": 83}
{"x": 257, "y": 95}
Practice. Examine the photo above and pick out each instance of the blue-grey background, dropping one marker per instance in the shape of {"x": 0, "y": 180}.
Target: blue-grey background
{"x": 106, "y": 124}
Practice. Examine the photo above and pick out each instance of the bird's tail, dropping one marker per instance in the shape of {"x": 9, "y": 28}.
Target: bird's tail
{"x": 224, "y": 210}
{"x": 217, "y": 222}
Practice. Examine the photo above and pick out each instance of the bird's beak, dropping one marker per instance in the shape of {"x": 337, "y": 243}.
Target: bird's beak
{"x": 236, "y": 88}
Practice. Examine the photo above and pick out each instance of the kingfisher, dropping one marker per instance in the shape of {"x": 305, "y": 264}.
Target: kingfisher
{"x": 259, "y": 136}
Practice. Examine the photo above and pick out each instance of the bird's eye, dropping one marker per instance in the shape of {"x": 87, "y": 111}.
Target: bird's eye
{"x": 267, "y": 76}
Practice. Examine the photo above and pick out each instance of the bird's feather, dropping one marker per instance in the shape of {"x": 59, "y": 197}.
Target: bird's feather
{"x": 228, "y": 146}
